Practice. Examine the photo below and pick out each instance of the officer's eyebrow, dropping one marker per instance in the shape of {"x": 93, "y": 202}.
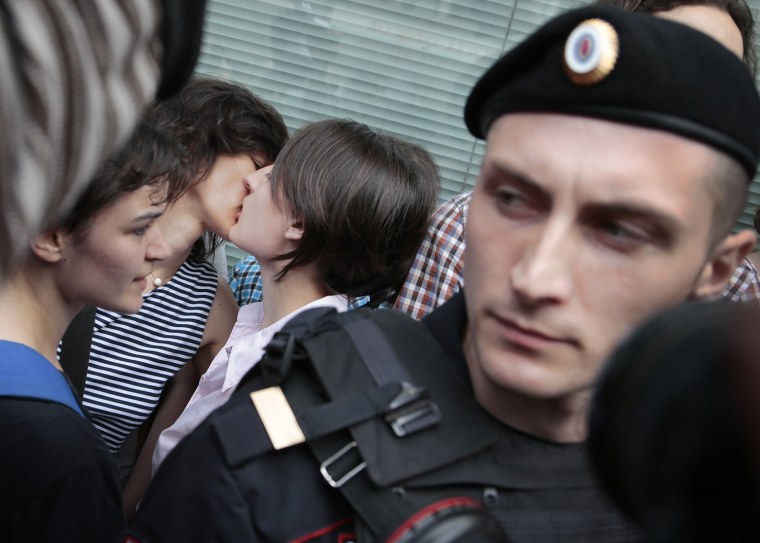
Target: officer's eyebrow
{"x": 662, "y": 227}
{"x": 523, "y": 182}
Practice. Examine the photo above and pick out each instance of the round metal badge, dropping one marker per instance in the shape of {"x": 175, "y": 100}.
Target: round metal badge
{"x": 591, "y": 52}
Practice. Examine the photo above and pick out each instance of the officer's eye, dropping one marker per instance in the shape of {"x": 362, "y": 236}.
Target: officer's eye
{"x": 513, "y": 203}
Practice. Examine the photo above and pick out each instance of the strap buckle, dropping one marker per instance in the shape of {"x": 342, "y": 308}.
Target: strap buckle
{"x": 279, "y": 354}
{"x": 334, "y": 458}
{"x": 411, "y": 411}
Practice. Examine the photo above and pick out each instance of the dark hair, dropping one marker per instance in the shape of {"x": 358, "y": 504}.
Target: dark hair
{"x": 149, "y": 158}
{"x": 364, "y": 200}
{"x": 672, "y": 424}
{"x": 728, "y": 183}
{"x": 738, "y": 10}
{"x": 210, "y": 118}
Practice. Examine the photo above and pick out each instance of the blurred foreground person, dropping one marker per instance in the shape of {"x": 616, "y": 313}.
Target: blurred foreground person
{"x": 76, "y": 78}
{"x": 674, "y": 425}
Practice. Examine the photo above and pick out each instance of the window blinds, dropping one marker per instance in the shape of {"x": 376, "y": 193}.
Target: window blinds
{"x": 403, "y": 66}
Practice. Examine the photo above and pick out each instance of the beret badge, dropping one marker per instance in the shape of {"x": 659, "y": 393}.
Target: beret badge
{"x": 591, "y": 52}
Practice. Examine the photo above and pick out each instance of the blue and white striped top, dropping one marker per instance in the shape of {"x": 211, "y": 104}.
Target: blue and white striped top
{"x": 133, "y": 356}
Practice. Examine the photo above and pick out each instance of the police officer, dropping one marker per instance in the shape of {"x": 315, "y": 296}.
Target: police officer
{"x": 617, "y": 161}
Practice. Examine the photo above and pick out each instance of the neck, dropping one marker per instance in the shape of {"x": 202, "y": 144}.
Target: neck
{"x": 40, "y": 313}
{"x": 296, "y": 289}
{"x": 560, "y": 420}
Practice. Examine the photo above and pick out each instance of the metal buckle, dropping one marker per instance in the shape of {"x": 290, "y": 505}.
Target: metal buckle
{"x": 334, "y": 458}
{"x": 411, "y": 405}
{"x": 408, "y": 394}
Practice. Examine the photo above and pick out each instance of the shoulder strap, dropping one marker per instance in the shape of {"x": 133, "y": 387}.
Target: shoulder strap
{"x": 75, "y": 348}
{"x": 27, "y": 374}
{"x": 374, "y": 349}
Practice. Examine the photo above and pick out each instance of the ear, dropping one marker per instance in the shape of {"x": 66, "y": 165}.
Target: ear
{"x": 294, "y": 231}
{"x": 721, "y": 265}
{"x": 48, "y": 246}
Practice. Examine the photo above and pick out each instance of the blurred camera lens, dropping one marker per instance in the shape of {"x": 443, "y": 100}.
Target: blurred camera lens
{"x": 452, "y": 520}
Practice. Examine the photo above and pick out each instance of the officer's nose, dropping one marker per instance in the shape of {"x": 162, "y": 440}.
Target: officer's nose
{"x": 544, "y": 273}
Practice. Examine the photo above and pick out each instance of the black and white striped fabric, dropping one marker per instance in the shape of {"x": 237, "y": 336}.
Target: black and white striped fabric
{"x": 76, "y": 75}
{"x": 133, "y": 356}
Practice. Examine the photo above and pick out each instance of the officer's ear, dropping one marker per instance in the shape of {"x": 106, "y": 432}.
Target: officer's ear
{"x": 722, "y": 263}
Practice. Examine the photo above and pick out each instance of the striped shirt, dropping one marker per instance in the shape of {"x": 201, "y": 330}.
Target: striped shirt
{"x": 133, "y": 356}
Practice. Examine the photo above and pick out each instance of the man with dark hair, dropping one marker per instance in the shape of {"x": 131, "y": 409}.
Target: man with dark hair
{"x": 604, "y": 197}
{"x": 437, "y": 271}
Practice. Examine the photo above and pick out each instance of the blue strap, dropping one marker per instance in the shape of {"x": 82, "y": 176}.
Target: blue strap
{"x": 25, "y": 373}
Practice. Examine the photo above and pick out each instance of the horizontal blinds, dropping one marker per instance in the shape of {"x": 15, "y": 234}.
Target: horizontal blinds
{"x": 403, "y": 66}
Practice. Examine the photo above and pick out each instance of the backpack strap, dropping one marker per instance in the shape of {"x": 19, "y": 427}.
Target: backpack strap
{"x": 369, "y": 349}
{"x": 325, "y": 372}
{"x": 356, "y": 377}
{"x": 27, "y": 374}
{"x": 75, "y": 348}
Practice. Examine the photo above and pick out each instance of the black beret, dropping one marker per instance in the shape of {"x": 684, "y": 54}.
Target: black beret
{"x": 632, "y": 68}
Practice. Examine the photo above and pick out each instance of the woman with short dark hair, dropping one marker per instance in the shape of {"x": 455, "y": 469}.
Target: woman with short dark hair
{"x": 340, "y": 214}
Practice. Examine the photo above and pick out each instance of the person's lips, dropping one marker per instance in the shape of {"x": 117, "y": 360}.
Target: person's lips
{"x": 529, "y": 337}
{"x": 239, "y": 212}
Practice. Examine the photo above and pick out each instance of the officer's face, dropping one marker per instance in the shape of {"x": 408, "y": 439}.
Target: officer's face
{"x": 578, "y": 230}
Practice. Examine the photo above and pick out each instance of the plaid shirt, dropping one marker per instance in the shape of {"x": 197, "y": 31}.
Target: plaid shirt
{"x": 245, "y": 282}
{"x": 744, "y": 285}
{"x": 436, "y": 273}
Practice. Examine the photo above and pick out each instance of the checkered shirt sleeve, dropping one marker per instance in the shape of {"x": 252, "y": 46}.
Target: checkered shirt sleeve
{"x": 245, "y": 281}
{"x": 436, "y": 273}
{"x": 744, "y": 285}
